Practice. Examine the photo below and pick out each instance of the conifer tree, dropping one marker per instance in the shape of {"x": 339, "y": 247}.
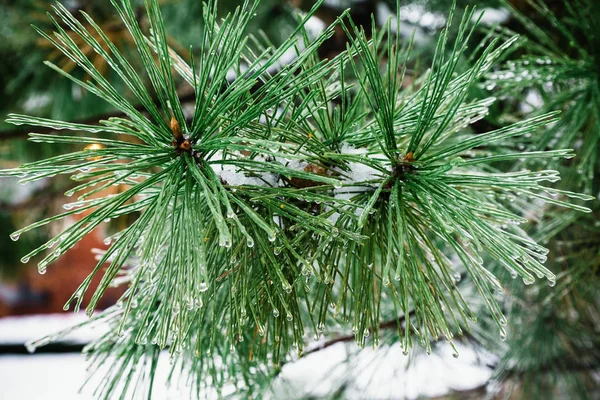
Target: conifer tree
{"x": 302, "y": 196}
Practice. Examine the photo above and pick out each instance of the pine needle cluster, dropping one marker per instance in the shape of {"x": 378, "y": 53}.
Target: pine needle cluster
{"x": 295, "y": 197}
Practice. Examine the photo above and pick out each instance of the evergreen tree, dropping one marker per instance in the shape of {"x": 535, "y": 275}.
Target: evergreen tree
{"x": 303, "y": 195}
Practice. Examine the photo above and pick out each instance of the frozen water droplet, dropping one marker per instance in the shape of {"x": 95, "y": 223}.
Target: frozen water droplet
{"x": 551, "y": 282}
{"x": 15, "y": 236}
{"x": 203, "y": 287}
{"x": 503, "y": 335}
{"x": 528, "y": 280}
{"x": 455, "y": 354}
{"x": 289, "y": 317}
{"x": 25, "y": 260}
{"x": 199, "y": 303}
{"x": 42, "y": 270}
{"x": 275, "y": 313}
{"x": 250, "y": 242}
{"x": 30, "y": 347}
{"x": 272, "y": 237}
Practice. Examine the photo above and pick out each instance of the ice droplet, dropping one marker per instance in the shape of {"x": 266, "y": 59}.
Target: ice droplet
{"x": 15, "y": 236}
{"x": 203, "y": 287}
{"x": 528, "y": 280}
{"x": 30, "y": 347}
{"x": 275, "y": 313}
{"x": 25, "y": 260}
{"x": 287, "y": 288}
{"x": 42, "y": 270}
{"x": 503, "y": 335}
{"x": 250, "y": 242}
{"x": 289, "y": 317}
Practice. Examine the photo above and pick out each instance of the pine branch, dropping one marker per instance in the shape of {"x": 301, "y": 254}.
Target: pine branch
{"x": 294, "y": 198}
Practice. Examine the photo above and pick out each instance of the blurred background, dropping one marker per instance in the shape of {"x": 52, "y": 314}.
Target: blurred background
{"x": 31, "y": 305}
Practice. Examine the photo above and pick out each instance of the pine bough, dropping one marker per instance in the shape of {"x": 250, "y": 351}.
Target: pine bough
{"x": 307, "y": 196}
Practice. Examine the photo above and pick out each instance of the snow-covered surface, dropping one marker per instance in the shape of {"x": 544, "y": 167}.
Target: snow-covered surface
{"x": 385, "y": 373}
{"x": 375, "y": 374}
{"x": 15, "y": 330}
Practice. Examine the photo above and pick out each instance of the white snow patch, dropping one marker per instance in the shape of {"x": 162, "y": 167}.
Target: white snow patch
{"x": 385, "y": 373}
{"x": 533, "y": 101}
{"x": 235, "y": 177}
{"x": 492, "y": 16}
{"x": 359, "y": 172}
{"x": 16, "y": 330}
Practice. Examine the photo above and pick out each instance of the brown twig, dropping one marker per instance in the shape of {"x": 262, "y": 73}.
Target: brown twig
{"x": 348, "y": 338}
